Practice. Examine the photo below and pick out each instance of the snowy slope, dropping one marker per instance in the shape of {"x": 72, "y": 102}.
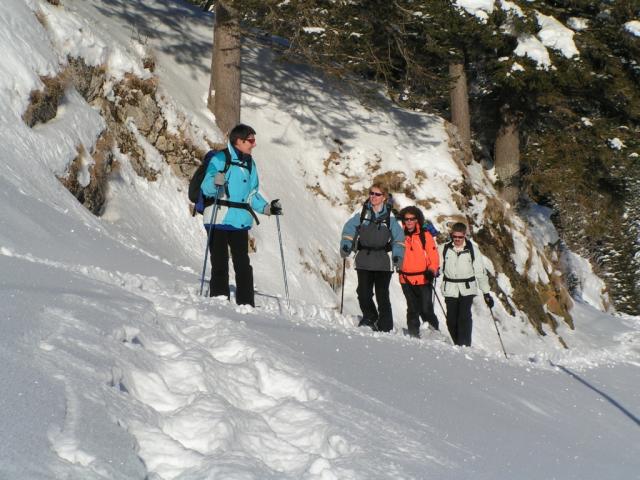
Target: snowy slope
{"x": 115, "y": 368}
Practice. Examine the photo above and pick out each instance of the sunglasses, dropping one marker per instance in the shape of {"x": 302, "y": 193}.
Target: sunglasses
{"x": 458, "y": 237}
{"x": 252, "y": 141}
{"x": 409, "y": 219}
{"x": 375, "y": 194}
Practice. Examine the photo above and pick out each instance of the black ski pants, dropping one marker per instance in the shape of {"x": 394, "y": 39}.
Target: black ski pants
{"x": 459, "y": 320}
{"x": 380, "y": 317}
{"x": 238, "y": 242}
{"x": 419, "y": 305}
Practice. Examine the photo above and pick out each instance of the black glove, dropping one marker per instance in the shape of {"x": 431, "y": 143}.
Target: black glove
{"x": 275, "y": 207}
{"x": 488, "y": 300}
{"x": 429, "y": 275}
{"x": 345, "y": 250}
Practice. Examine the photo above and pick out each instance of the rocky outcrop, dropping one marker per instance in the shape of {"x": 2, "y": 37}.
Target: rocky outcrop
{"x": 134, "y": 121}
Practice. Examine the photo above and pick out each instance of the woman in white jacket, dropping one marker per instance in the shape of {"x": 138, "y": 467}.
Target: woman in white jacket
{"x": 464, "y": 274}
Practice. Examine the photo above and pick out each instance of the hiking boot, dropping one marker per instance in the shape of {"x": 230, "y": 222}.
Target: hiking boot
{"x": 410, "y": 333}
{"x": 366, "y": 322}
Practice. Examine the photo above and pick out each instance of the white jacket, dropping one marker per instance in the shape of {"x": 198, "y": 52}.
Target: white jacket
{"x": 458, "y": 267}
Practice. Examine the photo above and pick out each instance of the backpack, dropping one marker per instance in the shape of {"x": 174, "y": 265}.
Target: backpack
{"x": 431, "y": 228}
{"x": 195, "y": 193}
{"x": 427, "y": 226}
{"x": 384, "y": 220}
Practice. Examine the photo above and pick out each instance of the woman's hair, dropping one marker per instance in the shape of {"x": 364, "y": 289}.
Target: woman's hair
{"x": 415, "y": 211}
{"x": 240, "y": 132}
{"x": 459, "y": 227}
{"x": 382, "y": 188}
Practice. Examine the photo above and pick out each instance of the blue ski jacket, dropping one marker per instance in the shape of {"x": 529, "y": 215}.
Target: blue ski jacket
{"x": 241, "y": 186}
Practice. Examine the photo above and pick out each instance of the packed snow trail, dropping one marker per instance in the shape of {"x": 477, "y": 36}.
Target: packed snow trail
{"x": 197, "y": 391}
{"x": 208, "y": 388}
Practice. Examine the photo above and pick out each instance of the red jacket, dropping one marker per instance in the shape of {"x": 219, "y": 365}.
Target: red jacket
{"x": 418, "y": 259}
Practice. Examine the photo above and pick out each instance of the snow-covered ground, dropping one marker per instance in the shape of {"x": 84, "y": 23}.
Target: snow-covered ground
{"x": 114, "y": 367}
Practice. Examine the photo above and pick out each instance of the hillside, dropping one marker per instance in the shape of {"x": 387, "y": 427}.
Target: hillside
{"x": 115, "y": 367}
{"x": 560, "y": 77}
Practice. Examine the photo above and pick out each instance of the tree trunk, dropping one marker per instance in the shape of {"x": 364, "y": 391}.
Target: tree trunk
{"x": 507, "y": 158}
{"x": 224, "y": 89}
{"x": 459, "y": 98}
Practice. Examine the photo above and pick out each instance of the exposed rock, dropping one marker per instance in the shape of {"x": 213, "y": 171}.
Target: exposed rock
{"x": 140, "y": 108}
{"x": 158, "y": 126}
{"x": 135, "y": 100}
{"x": 87, "y": 80}
{"x": 165, "y": 145}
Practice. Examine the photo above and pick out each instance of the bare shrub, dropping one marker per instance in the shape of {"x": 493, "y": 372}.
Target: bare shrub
{"x": 149, "y": 62}
{"x": 147, "y": 86}
{"x": 43, "y": 104}
{"x": 93, "y": 195}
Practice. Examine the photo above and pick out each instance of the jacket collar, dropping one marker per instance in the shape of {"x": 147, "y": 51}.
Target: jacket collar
{"x": 416, "y": 231}
{"x": 382, "y": 211}
{"x": 237, "y": 154}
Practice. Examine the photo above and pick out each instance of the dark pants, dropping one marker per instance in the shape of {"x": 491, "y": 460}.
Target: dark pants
{"x": 459, "y": 320}
{"x": 238, "y": 242}
{"x": 379, "y": 318}
{"x": 419, "y": 305}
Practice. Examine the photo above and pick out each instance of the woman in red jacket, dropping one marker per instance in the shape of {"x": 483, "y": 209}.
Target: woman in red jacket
{"x": 420, "y": 264}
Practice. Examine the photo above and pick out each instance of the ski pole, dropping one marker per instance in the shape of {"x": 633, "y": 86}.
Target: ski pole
{"x": 498, "y": 332}
{"x": 284, "y": 269}
{"x": 214, "y": 214}
{"x": 433, "y": 290}
{"x": 444, "y": 312}
{"x": 344, "y": 266}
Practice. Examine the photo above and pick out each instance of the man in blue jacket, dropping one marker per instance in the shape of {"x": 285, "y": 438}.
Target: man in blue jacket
{"x": 232, "y": 181}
